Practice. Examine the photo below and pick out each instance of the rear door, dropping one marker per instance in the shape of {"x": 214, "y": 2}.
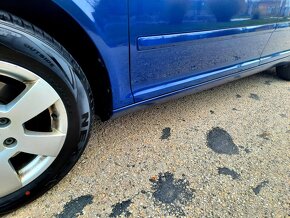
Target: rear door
{"x": 177, "y": 44}
{"x": 279, "y": 43}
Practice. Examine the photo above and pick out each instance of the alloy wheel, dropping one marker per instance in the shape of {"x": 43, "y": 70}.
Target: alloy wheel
{"x": 33, "y": 127}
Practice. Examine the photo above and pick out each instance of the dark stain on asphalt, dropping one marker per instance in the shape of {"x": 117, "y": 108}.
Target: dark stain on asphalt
{"x": 283, "y": 115}
{"x": 121, "y": 209}
{"x": 228, "y": 172}
{"x": 221, "y": 142}
{"x": 254, "y": 96}
{"x": 75, "y": 207}
{"x": 133, "y": 165}
{"x": 212, "y": 112}
{"x": 166, "y": 133}
{"x": 245, "y": 149}
{"x": 268, "y": 82}
{"x": 238, "y": 96}
{"x": 171, "y": 194}
{"x": 194, "y": 129}
{"x": 265, "y": 135}
{"x": 257, "y": 189}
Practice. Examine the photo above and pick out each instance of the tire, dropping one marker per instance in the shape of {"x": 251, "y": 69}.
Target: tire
{"x": 283, "y": 72}
{"x": 45, "y": 100}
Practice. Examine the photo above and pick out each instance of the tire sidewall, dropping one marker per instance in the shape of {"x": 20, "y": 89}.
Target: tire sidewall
{"x": 65, "y": 76}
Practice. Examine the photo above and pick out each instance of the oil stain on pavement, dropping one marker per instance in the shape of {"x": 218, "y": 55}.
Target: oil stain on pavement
{"x": 259, "y": 187}
{"x": 166, "y": 133}
{"x": 228, "y": 172}
{"x": 75, "y": 207}
{"x": 221, "y": 142}
{"x": 171, "y": 194}
{"x": 121, "y": 209}
{"x": 254, "y": 96}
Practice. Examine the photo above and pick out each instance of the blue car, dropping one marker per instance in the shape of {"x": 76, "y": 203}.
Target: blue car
{"x": 64, "y": 61}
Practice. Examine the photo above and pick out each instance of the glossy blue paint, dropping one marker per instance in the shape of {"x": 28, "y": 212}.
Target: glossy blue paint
{"x": 198, "y": 88}
{"x": 162, "y": 48}
{"x": 279, "y": 43}
{"x": 106, "y": 23}
{"x": 177, "y": 41}
{"x": 278, "y": 46}
{"x": 154, "y": 42}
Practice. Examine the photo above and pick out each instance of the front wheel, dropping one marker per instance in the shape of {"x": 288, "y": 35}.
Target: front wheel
{"x": 45, "y": 112}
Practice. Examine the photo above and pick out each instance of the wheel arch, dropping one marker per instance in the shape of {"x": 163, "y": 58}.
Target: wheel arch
{"x": 54, "y": 17}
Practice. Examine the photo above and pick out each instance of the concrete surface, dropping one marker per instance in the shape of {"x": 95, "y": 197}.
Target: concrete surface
{"x": 224, "y": 152}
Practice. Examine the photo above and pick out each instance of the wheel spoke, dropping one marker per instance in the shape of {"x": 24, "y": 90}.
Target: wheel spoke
{"x": 10, "y": 180}
{"x": 36, "y": 98}
{"x": 17, "y": 169}
{"x": 42, "y": 143}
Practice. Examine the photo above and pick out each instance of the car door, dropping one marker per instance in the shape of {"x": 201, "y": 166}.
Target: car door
{"x": 279, "y": 43}
{"x": 176, "y": 44}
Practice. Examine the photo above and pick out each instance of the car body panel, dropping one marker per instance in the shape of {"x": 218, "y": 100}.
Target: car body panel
{"x": 278, "y": 47}
{"x": 198, "y": 88}
{"x": 178, "y": 43}
{"x": 106, "y": 23}
{"x": 155, "y": 49}
{"x": 180, "y": 64}
{"x": 279, "y": 44}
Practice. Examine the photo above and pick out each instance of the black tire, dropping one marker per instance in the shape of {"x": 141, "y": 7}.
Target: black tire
{"x": 26, "y": 46}
{"x": 283, "y": 72}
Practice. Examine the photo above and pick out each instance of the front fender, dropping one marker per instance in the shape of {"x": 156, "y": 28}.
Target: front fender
{"x": 106, "y": 23}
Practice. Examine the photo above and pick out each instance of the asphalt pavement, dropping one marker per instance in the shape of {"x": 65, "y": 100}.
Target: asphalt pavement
{"x": 224, "y": 152}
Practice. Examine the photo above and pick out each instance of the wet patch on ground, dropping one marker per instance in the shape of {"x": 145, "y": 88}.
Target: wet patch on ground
{"x": 121, "y": 209}
{"x": 259, "y": 187}
{"x": 254, "y": 96}
{"x": 166, "y": 133}
{"x": 75, "y": 207}
{"x": 221, "y": 142}
{"x": 228, "y": 172}
{"x": 171, "y": 194}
